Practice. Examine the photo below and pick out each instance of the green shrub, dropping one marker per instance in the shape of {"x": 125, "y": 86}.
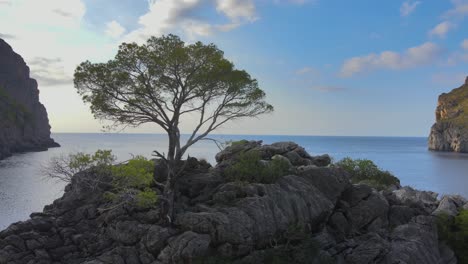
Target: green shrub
{"x": 365, "y": 171}
{"x": 237, "y": 143}
{"x": 146, "y": 198}
{"x": 136, "y": 173}
{"x": 249, "y": 167}
{"x": 135, "y": 176}
{"x": 454, "y": 232}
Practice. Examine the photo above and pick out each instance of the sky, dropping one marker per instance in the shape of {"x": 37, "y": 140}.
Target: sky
{"x": 345, "y": 68}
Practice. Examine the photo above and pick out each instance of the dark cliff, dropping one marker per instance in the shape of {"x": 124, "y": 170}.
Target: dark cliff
{"x": 24, "y": 123}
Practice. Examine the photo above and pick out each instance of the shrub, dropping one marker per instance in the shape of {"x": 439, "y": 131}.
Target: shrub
{"x": 130, "y": 182}
{"x": 135, "y": 177}
{"x": 64, "y": 167}
{"x": 146, "y": 198}
{"x": 249, "y": 167}
{"x": 136, "y": 173}
{"x": 454, "y": 232}
{"x": 365, "y": 171}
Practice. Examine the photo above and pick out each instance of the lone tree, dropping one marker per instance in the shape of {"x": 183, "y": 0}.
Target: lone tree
{"x": 164, "y": 80}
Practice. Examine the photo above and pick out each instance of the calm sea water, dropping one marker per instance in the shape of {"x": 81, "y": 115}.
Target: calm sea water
{"x": 24, "y": 190}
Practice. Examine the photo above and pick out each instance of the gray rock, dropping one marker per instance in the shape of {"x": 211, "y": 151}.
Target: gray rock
{"x": 414, "y": 198}
{"x": 127, "y": 232}
{"x": 184, "y": 248}
{"x": 370, "y": 249}
{"x": 322, "y": 160}
{"x": 450, "y": 205}
{"x": 156, "y": 238}
{"x": 415, "y": 242}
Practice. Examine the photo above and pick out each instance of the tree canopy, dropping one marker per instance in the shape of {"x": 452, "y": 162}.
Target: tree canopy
{"x": 164, "y": 79}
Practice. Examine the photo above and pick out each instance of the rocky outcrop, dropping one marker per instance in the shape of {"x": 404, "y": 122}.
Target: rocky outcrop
{"x": 313, "y": 215}
{"x": 450, "y": 132}
{"x": 24, "y": 123}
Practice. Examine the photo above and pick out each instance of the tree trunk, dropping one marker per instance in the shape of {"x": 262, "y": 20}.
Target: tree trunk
{"x": 172, "y": 168}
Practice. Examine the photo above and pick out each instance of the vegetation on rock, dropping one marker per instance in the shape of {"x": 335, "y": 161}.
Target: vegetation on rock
{"x": 130, "y": 181}
{"x": 454, "y": 232}
{"x": 365, "y": 171}
{"x": 249, "y": 167}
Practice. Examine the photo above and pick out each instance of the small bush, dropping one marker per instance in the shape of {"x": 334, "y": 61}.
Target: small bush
{"x": 454, "y": 232}
{"x": 64, "y": 167}
{"x": 146, "y": 198}
{"x": 365, "y": 171}
{"x": 136, "y": 173}
{"x": 130, "y": 182}
{"x": 249, "y": 167}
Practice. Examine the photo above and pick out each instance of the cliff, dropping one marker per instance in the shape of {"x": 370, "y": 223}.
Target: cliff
{"x": 450, "y": 132}
{"x": 24, "y": 123}
{"x": 313, "y": 215}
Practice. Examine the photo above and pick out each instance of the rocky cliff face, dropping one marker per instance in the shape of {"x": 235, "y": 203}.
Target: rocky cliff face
{"x": 314, "y": 215}
{"x": 450, "y": 132}
{"x": 24, "y": 123}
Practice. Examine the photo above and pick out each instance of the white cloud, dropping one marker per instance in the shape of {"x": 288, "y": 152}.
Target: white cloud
{"x": 410, "y": 58}
{"x": 460, "y": 9}
{"x": 237, "y": 9}
{"x": 442, "y": 29}
{"x": 49, "y": 72}
{"x": 114, "y": 29}
{"x": 464, "y": 44}
{"x": 176, "y": 16}
{"x": 408, "y": 7}
{"x": 308, "y": 71}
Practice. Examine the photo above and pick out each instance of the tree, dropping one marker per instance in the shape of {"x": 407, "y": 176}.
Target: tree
{"x": 164, "y": 80}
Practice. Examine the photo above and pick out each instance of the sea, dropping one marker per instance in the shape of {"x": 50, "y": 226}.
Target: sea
{"x": 24, "y": 190}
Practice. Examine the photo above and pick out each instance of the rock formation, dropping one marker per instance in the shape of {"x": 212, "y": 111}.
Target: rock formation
{"x": 450, "y": 132}
{"x": 313, "y": 215}
{"x": 24, "y": 123}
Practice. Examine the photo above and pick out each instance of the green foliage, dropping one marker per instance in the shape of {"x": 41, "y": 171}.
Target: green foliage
{"x": 250, "y": 168}
{"x": 456, "y": 102}
{"x": 454, "y": 232}
{"x": 365, "y": 171}
{"x": 165, "y": 76}
{"x": 136, "y": 173}
{"x": 135, "y": 177}
{"x": 146, "y": 198}
{"x": 101, "y": 160}
{"x": 237, "y": 143}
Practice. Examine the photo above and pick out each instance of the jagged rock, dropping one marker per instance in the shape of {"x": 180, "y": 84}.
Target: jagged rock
{"x": 414, "y": 198}
{"x": 25, "y": 125}
{"x": 415, "y": 242}
{"x": 450, "y": 205}
{"x": 313, "y": 215}
{"x": 450, "y": 133}
{"x": 183, "y": 248}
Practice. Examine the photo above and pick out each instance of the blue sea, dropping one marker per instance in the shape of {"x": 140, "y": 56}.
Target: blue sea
{"x": 24, "y": 190}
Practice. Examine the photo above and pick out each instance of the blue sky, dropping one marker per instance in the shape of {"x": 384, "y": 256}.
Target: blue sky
{"x": 332, "y": 67}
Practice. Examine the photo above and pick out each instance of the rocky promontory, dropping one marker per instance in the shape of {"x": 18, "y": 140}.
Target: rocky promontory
{"x": 316, "y": 213}
{"x": 24, "y": 123}
{"x": 450, "y": 132}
